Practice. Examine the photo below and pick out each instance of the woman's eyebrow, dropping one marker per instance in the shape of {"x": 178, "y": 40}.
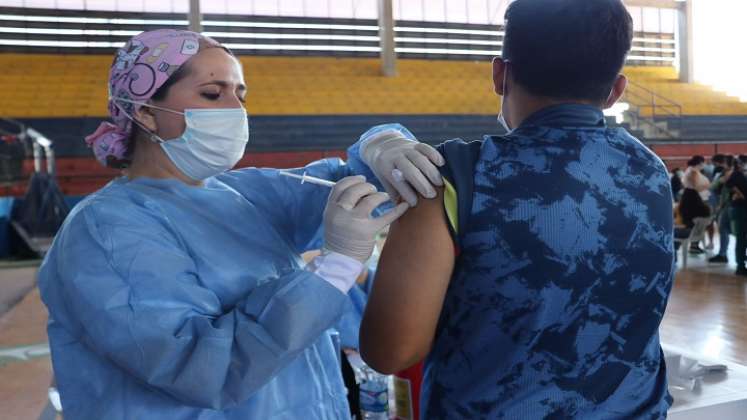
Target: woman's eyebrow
{"x": 223, "y": 84}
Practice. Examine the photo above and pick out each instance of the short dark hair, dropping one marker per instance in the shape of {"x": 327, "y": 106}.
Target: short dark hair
{"x": 696, "y": 160}
{"x": 567, "y": 49}
{"x": 718, "y": 158}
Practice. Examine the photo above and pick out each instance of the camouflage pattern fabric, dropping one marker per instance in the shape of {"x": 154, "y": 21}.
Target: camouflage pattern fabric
{"x": 563, "y": 275}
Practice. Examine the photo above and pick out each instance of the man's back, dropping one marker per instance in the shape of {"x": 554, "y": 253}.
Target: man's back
{"x": 564, "y": 271}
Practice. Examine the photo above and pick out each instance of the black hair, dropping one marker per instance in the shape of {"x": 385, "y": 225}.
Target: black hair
{"x": 696, "y": 160}
{"x": 567, "y": 49}
{"x": 728, "y": 161}
{"x": 718, "y": 158}
{"x": 178, "y": 75}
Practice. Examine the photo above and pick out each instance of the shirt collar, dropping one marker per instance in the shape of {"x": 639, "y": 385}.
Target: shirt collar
{"x": 566, "y": 116}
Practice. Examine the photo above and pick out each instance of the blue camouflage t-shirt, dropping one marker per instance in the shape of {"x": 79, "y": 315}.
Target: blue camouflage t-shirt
{"x": 564, "y": 267}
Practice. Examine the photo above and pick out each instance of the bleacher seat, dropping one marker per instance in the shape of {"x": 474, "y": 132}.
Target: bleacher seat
{"x": 695, "y": 99}
{"x": 46, "y": 85}
{"x": 319, "y": 103}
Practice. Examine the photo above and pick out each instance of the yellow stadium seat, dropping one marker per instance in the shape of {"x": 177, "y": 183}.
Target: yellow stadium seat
{"x": 76, "y": 85}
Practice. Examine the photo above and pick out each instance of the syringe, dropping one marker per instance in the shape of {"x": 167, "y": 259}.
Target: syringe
{"x": 396, "y": 174}
{"x": 310, "y": 179}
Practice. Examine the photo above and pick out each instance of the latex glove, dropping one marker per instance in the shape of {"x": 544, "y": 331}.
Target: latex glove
{"x": 416, "y": 164}
{"x": 349, "y": 228}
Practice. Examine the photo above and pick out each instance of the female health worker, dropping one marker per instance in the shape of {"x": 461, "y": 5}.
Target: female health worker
{"x": 177, "y": 291}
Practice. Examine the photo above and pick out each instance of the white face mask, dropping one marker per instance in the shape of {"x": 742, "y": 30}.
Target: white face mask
{"x": 213, "y": 141}
{"x": 501, "y": 117}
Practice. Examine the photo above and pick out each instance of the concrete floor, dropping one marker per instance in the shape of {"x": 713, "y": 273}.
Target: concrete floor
{"x": 25, "y": 367}
{"x": 15, "y": 283}
{"x": 706, "y": 315}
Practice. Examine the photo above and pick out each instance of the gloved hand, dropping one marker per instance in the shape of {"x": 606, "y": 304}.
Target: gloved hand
{"x": 415, "y": 164}
{"x": 349, "y": 228}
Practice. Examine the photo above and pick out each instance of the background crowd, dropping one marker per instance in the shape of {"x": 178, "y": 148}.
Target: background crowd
{"x": 712, "y": 194}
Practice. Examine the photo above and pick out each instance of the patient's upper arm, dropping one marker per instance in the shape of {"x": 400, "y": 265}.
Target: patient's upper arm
{"x": 411, "y": 281}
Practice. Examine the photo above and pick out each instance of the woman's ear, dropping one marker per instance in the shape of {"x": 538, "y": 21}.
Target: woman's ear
{"x": 146, "y": 118}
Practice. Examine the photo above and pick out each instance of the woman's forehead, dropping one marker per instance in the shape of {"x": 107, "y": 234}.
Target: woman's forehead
{"x": 215, "y": 63}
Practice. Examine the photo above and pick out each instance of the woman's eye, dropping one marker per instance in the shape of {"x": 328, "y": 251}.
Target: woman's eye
{"x": 211, "y": 96}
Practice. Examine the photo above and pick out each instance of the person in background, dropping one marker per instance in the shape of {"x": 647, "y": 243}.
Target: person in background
{"x": 709, "y": 168}
{"x": 694, "y": 178}
{"x": 742, "y": 163}
{"x": 736, "y": 185}
{"x": 691, "y": 207}
{"x": 718, "y": 162}
{"x": 676, "y": 182}
{"x": 535, "y": 284}
{"x": 680, "y": 231}
{"x": 177, "y": 291}
{"x": 712, "y": 171}
{"x": 722, "y": 207}
{"x": 694, "y": 181}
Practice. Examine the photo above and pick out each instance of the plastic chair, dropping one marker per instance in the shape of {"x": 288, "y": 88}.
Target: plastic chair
{"x": 696, "y": 235}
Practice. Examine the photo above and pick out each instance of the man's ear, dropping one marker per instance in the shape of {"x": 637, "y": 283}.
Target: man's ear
{"x": 621, "y": 82}
{"x": 145, "y": 116}
{"x": 499, "y": 69}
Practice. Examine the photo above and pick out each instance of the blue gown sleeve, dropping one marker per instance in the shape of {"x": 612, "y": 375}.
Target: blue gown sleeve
{"x": 140, "y": 304}
{"x": 296, "y": 209}
{"x": 350, "y": 321}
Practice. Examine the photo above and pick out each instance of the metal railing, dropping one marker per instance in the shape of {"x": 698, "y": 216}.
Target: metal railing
{"x": 42, "y": 150}
{"x": 13, "y": 150}
{"x": 645, "y": 98}
{"x": 646, "y": 106}
{"x": 41, "y": 145}
{"x": 18, "y": 127}
{"x": 37, "y": 241}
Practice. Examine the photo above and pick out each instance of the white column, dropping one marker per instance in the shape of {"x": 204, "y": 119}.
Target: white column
{"x": 685, "y": 41}
{"x": 195, "y": 18}
{"x": 386, "y": 39}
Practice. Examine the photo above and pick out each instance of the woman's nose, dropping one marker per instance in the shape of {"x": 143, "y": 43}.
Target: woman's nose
{"x": 232, "y": 101}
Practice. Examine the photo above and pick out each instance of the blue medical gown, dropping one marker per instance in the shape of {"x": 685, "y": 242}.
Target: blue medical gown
{"x": 172, "y": 301}
{"x": 352, "y": 315}
{"x": 349, "y": 324}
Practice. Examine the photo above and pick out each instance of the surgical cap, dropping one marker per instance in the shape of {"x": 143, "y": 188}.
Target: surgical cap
{"x": 140, "y": 67}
